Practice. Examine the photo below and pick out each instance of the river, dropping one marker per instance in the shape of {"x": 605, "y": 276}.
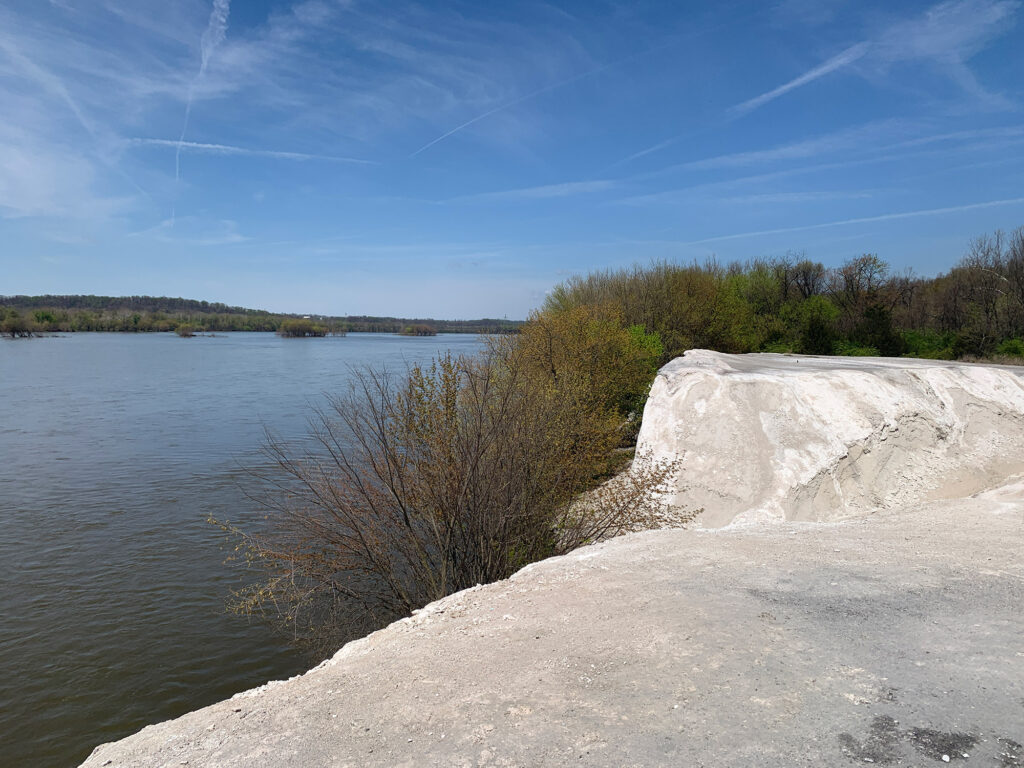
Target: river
{"x": 115, "y": 450}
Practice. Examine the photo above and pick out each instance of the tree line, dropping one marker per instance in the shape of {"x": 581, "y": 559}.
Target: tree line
{"x": 795, "y": 304}
{"x": 28, "y": 315}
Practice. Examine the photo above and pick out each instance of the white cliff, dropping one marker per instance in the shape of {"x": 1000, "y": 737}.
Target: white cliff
{"x": 780, "y": 437}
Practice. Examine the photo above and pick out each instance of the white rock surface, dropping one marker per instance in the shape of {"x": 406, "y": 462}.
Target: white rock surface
{"x": 782, "y": 437}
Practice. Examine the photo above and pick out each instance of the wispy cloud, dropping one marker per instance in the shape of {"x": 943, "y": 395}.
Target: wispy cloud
{"x": 865, "y": 220}
{"x": 229, "y": 149}
{"x": 869, "y": 142}
{"x": 856, "y": 137}
{"x": 192, "y": 231}
{"x": 553, "y": 87}
{"x": 46, "y": 80}
{"x": 543, "y": 192}
{"x": 814, "y": 196}
{"x": 947, "y": 35}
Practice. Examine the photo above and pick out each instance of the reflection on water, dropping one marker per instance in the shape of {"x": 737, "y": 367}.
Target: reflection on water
{"x": 115, "y": 449}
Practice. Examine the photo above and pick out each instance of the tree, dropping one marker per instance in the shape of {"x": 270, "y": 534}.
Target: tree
{"x": 589, "y": 348}
{"x": 817, "y": 318}
{"x": 809, "y": 278}
{"x": 16, "y": 326}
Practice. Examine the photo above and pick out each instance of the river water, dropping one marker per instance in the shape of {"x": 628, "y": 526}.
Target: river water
{"x": 114, "y": 451}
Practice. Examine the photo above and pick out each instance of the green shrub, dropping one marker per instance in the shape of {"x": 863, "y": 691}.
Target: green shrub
{"x": 849, "y": 349}
{"x": 929, "y": 345}
{"x": 298, "y": 327}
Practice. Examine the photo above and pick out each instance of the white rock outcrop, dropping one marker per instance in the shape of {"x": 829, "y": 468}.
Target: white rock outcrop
{"x": 783, "y": 437}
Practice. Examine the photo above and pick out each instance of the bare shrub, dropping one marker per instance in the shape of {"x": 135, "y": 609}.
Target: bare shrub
{"x": 422, "y": 485}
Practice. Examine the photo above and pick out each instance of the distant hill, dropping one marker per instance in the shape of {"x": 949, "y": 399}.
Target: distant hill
{"x": 161, "y": 313}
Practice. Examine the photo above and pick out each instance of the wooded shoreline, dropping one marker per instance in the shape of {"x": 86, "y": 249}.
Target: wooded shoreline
{"x": 29, "y": 315}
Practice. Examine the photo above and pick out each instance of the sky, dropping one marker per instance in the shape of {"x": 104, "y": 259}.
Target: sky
{"x": 459, "y": 159}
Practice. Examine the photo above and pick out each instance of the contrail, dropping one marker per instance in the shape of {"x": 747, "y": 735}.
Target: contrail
{"x": 216, "y": 29}
{"x": 866, "y": 220}
{"x": 230, "y": 149}
{"x": 838, "y": 61}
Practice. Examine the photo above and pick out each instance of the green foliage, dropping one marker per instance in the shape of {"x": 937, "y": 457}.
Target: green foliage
{"x": 592, "y": 349}
{"x": 185, "y": 330}
{"x": 1011, "y": 348}
{"x": 817, "y": 318}
{"x": 795, "y": 304}
{"x": 419, "y": 329}
{"x": 649, "y": 343}
{"x": 300, "y": 327}
{"x": 929, "y": 344}
{"x": 876, "y": 330}
{"x": 15, "y": 325}
{"x": 849, "y": 349}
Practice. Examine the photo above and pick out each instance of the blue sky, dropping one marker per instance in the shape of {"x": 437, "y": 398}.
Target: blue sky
{"x": 459, "y": 159}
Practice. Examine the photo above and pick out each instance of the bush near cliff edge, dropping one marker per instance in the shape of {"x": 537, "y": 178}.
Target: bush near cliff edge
{"x": 452, "y": 475}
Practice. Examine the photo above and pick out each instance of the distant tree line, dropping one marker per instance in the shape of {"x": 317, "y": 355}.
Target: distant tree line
{"x": 150, "y": 304}
{"x": 28, "y": 315}
{"x": 795, "y": 304}
{"x": 489, "y": 326}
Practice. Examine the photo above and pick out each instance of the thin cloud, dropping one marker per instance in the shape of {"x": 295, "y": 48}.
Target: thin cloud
{"x": 228, "y": 149}
{"x": 824, "y": 144}
{"x": 840, "y": 60}
{"x": 543, "y": 192}
{"x": 509, "y": 105}
{"x": 795, "y": 197}
{"x": 168, "y": 231}
{"x": 864, "y": 220}
{"x": 947, "y": 35}
{"x": 546, "y": 89}
{"x": 49, "y": 82}
{"x": 867, "y": 139}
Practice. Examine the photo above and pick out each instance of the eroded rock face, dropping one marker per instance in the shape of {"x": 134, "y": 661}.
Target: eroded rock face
{"x": 782, "y": 437}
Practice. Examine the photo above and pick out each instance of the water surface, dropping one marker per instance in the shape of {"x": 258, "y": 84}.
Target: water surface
{"x": 115, "y": 449}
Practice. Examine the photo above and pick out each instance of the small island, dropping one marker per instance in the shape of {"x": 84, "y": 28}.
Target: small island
{"x": 418, "y": 329}
{"x": 302, "y": 327}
